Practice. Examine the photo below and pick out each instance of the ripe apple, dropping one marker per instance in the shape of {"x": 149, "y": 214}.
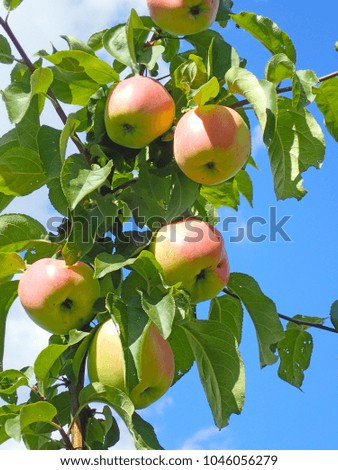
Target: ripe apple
{"x": 183, "y": 16}
{"x": 138, "y": 110}
{"x": 192, "y": 252}
{"x": 106, "y": 363}
{"x": 58, "y": 297}
{"x": 211, "y": 144}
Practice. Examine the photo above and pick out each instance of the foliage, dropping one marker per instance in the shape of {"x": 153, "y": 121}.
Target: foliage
{"x": 96, "y": 186}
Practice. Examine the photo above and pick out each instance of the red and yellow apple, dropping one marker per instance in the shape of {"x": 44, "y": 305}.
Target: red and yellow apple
{"x": 106, "y": 363}
{"x": 58, "y": 297}
{"x": 183, "y": 16}
{"x": 211, "y": 144}
{"x": 192, "y": 252}
{"x": 138, "y": 110}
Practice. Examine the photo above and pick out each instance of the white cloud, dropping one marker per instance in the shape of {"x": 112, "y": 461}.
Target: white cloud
{"x": 209, "y": 438}
{"x": 256, "y": 140}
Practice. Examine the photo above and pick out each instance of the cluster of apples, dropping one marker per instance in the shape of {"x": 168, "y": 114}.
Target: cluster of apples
{"x": 211, "y": 144}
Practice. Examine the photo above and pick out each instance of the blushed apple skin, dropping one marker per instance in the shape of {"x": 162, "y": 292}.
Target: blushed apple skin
{"x": 106, "y": 364}
{"x": 183, "y": 17}
{"x": 58, "y": 297}
{"x": 138, "y": 110}
{"x": 192, "y": 252}
{"x": 211, "y": 144}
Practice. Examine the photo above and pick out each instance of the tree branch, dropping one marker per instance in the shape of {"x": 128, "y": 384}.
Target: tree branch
{"x": 124, "y": 185}
{"x": 82, "y": 149}
{"x": 290, "y": 319}
{"x": 241, "y": 103}
{"x": 307, "y": 323}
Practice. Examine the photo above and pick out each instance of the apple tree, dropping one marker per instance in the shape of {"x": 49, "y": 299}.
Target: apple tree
{"x": 112, "y": 197}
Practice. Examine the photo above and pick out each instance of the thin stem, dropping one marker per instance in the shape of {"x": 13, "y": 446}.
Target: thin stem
{"x": 79, "y": 425}
{"x": 50, "y": 94}
{"x": 286, "y": 89}
{"x": 307, "y": 323}
{"x": 290, "y": 319}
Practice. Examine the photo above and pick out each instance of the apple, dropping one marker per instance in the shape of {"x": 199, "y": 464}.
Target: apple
{"x": 138, "y": 110}
{"x": 211, "y": 144}
{"x": 192, "y": 252}
{"x": 106, "y": 364}
{"x": 183, "y": 16}
{"x": 58, "y": 297}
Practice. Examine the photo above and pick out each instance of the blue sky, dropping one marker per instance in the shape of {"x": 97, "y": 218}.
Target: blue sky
{"x": 301, "y": 276}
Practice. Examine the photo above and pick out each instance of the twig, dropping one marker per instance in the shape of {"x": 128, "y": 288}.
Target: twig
{"x": 124, "y": 185}
{"x": 50, "y": 94}
{"x": 290, "y": 319}
{"x": 241, "y": 103}
{"x": 308, "y": 323}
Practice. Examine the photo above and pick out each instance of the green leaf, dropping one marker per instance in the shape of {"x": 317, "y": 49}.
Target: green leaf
{"x": 79, "y": 62}
{"x": 84, "y": 228}
{"x": 224, "y": 194}
{"x": 21, "y": 172}
{"x": 244, "y": 185}
{"x": 115, "y": 42}
{"x": 229, "y": 311}
{"x": 224, "y": 11}
{"x": 78, "y": 179}
{"x": 77, "y": 44}
{"x": 334, "y": 314}
{"x": 8, "y": 293}
{"x": 12, "y": 4}
{"x": 49, "y": 355}
{"x": 191, "y": 74}
{"x": 298, "y": 144}
{"x": 11, "y": 263}
{"x": 261, "y": 94}
{"x": 19, "y": 232}
{"x": 184, "y": 357}
{"x": 279, "y": 68}
{"x": 5, "y": 51}
{"x": 263, "y": 313}
{"x": 106, "y": 263}
{"x": 48, "y": 145}
{"x": 17, "y": 98}
{"x": 183, "y": 195}
{"x": 10, "y": 381}
{"x": 327, "y": 102}
{"x": 160, "y": 311}
{"x": 67, "y": 132}
{"x": 220, "y": 55}
{"x": 206, "y": 92}
{"x": 134, "y": 23}
{"x": 220, "y": 367}
{"x": 295, "y": 354}
{"x": 5, "y": 201}
{"x": 141, "y": 431}
{"x": 302, "y": 87}
{"x": 267, "y": 32}
{"x": 40, "y": 412}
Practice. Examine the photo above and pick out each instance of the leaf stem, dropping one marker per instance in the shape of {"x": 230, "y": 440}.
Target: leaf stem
{"x": 280, "y": 90}
{"x": 124, "y": 185}
{"x": 4, "y": 23}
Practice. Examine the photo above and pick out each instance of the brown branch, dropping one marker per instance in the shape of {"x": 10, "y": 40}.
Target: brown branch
{"x": 79, "y": 423}
{"x": 279, "y": 90}
{"x": 307, "y": 323}
{"x": 82, "y": 149}
{"x": 290, "y": 319}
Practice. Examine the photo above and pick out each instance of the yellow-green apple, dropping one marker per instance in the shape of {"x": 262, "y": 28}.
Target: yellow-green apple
{"x": 106, "y": 363}
{"x": 183, "y": 16}
{"x": 211, "y": 144}
{"x": 192, "y": 252}
{"x": 138, "y": 110}
{"x": 59, "y": 297}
